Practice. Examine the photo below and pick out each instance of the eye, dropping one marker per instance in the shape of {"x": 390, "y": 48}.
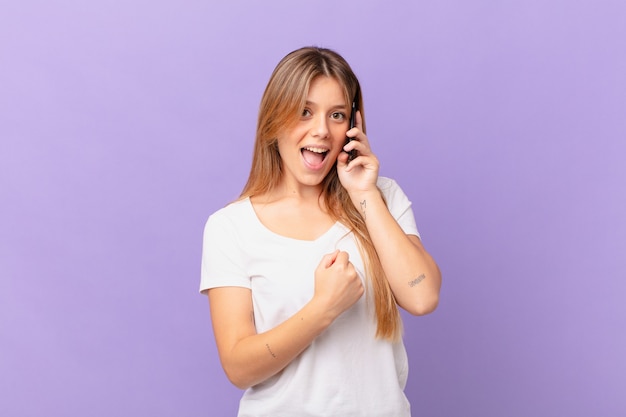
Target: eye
{"x": 306, "y": 113}
{"x": 338, "y": 116}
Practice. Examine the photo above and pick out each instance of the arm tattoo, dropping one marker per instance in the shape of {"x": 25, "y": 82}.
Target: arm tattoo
{"x": 417, "y": 280}
{"x": 270, "y": 350}
{"x": 363, "y": 207}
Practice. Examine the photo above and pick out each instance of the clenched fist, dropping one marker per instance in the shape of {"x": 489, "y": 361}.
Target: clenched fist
{"x": 337, "y": 283}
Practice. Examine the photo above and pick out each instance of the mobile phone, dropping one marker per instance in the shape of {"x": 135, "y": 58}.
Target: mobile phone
{"x": 355, "y": 106}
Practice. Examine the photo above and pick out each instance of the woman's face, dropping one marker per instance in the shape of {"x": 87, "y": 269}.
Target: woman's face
{"x": 310, "y": 148}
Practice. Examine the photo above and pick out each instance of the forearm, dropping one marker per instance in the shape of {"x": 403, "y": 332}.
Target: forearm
{"x": 412, "y": 273}
{"x": 257, "y": 357}
{"x": 248, "y": 357}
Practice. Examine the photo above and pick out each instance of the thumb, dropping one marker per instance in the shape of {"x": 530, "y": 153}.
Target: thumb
{"x": 342, "y": 160}
{"x": 330, "y": 258}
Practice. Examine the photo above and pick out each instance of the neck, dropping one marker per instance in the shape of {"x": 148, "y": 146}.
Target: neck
{"x": 294, "y": 189}
{"x": 296, "y": 193}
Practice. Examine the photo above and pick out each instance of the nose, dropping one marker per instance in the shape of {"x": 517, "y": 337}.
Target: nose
{"x": 320, "y": 127}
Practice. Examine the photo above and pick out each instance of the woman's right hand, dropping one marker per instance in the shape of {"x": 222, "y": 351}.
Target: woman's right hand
{"x": 337, "y": 283}
{"x": 249, "y": 357}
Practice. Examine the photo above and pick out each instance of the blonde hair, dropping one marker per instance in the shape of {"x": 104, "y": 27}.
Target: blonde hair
{"x": 282, "y": 103}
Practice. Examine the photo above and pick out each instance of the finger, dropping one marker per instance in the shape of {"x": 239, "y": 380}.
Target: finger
{"x": 342, "y": 258}
{"x": 353, "y": 145}
{"x": 358, "y": 126}
{"x": 359, "y": 141}
{"x": 342, "y": 158}
{"x": 359, "y": 120}
{"x": 353, "y": 133}
{"x": 361, "y": 150}
{"x": 330, "y": 258}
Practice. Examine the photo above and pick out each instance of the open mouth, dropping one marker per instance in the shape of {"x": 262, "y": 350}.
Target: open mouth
{"x": 314, "y": 156}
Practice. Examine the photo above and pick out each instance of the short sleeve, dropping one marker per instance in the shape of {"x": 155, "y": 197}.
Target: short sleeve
{"x": 222, "y": 255}
{"x": 399, "y": 205}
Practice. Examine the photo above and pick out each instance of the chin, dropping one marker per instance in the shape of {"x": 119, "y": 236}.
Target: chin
{"x": 313, "y": 180}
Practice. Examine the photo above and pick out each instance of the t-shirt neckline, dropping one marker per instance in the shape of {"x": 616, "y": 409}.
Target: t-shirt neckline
{"x": 276, "y": 235}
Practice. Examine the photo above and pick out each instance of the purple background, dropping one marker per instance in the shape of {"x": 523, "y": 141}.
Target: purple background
{"x": 124, "y": 124}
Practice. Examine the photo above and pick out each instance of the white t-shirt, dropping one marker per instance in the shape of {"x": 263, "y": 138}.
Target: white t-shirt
{"x": 345, "y": 371}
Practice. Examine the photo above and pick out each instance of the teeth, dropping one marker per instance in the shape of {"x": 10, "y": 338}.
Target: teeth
{"x": 316, "y": 150}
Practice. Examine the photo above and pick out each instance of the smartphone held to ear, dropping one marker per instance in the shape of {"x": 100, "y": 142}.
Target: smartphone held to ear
{"x": 355, "y": 106}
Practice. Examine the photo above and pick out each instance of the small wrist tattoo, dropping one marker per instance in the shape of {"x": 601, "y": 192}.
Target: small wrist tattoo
{"x": 270, "y": 350}
{"x": 417, "y": 280}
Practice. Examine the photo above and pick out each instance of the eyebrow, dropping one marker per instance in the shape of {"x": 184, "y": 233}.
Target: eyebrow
{"x": 338, "y": 106}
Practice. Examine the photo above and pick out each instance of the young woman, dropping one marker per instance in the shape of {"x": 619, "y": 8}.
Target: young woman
{"x": 305, "y": 272}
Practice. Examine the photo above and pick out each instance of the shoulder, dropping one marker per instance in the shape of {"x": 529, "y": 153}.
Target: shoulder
{"x": 398, "y": 204}
{"x": 386, "y": 184}
{"x": 235, "y": 209}
{"x": 390, "y": 188}
{"x": 235, "y": 214}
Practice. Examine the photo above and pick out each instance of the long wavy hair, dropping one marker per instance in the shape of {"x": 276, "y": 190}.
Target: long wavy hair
{"x": 281, "y": 105}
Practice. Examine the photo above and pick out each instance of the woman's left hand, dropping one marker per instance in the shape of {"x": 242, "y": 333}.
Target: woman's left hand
{"x": 359, "y": 175}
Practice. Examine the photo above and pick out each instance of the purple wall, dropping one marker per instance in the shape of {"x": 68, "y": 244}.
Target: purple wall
{"x": 123, "y": 125}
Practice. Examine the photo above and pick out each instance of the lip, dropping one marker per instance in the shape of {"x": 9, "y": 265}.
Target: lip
{"x": 319, "y": 166}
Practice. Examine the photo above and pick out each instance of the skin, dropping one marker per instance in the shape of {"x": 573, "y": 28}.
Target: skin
{"x": 294, "y": 210}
